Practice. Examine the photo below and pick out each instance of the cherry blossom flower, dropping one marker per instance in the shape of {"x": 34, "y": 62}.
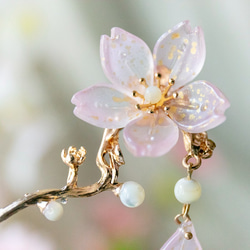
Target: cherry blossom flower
{"x": 149, "y": 96}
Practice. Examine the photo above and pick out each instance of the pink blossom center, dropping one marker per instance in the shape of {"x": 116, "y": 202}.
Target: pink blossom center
{"x": 156, "y": 97}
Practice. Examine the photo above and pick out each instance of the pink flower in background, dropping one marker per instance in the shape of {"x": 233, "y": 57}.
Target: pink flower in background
{"x": 149, "y": 96}
{"x": 119, "y": 221}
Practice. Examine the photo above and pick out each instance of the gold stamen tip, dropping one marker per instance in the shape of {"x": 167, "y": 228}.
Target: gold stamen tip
{"x": 151, "y": 111}
{"x": 175, "y": 95}
{"x": 138, "y": 106}
{"x": 157, "y": 75}
{"x": 188, "y": 235}
{"x": 134, "y": 93}
{"x": 142, "y": 80}
{"x": 166, "y": 109}
{"x": 171, "y": 81}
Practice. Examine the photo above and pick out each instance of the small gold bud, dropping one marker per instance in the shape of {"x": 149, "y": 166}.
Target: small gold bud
{"x": 188, "y": 235}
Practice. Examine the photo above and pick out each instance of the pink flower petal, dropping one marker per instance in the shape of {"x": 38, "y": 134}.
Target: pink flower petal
{"x": 180, "y": 53}
{"x": 151, "y": 135}
{"x": 178, "y": 241}
{"x": 200, "y": 106}
{"x": 104, "y": 106}
{"x": 125, "y": 59}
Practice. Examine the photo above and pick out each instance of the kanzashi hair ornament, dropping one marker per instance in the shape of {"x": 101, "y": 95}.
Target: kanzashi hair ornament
{"x": 151, "y": 98}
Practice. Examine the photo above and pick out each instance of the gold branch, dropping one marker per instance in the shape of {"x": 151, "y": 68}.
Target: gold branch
{"x": 73, "y": 159}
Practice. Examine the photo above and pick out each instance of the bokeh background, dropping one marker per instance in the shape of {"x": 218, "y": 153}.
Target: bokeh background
{"x": 48, "y": 51}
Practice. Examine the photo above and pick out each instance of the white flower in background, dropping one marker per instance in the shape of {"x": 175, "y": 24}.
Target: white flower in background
{"x": 36, "y": 37}
{"x": 18, "y": 236}
{"x": 35, "y": 31}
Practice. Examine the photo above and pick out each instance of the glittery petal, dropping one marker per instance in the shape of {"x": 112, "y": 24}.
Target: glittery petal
{"x": 180, "y": 53}
{"x": 125, "y": 59}
{"x": 151, "y": 135}
{"x": 104, "y": 106}
{"x": 200, "y": 106}
{"x": 178, "y": 241}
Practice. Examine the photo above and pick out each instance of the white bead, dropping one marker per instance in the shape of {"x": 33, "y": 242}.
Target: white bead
{"x": 53, "y": 211}
{"x": 187, "y": 191}
{"x": 131, "y": 194}
{"x": 152, "y": 94}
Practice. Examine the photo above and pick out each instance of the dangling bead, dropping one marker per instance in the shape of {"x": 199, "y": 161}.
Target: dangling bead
{"x": 131, "y": 194}
{"x": 184, "y": 238}
{"x": 53, "y": 211}
{"x": 187, "y": 190}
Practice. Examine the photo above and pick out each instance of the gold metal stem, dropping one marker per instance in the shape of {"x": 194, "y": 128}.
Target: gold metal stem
{"x": 170, "y": 84}
{"x": 143, "y": 82}
{"x": 158, "y": 79}
{"x": 144, "y": 106}
{"x": 136, "y": 94}
{"x": 73, "y": 159}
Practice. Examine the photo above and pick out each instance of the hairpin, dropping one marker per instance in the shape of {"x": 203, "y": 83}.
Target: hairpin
{"x": 151, "y": 99}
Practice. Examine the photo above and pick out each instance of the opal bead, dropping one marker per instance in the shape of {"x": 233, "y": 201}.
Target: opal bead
{"x": 53, "y": 211}
{"x": 131, "y": 194}
{"x": 152, "y": 94}
{"x": 187, "y": 190}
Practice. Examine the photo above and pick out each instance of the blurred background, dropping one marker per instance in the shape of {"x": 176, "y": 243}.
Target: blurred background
{"x": 48, "y": 51}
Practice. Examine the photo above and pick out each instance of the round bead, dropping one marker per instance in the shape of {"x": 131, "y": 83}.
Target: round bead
{"x": 131, "y": 194}
{"x": 152, "y": 94}
{"x": 53, "y": 211}
{"x": 187, "y": 190}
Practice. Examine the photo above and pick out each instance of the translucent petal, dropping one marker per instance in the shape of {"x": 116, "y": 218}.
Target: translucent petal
{"x": 104, "y": 106}
{"x": 151, "y": 135}
{"x": 178, "y": 241}
{"x": 180, "y": 53}
{"x": 125, "y": 59}
{"x": 199, "y": 106}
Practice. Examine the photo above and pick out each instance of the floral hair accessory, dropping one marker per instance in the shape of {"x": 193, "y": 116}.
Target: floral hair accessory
{"x": 149, "y": 95}
{"x": 151, "y": 98}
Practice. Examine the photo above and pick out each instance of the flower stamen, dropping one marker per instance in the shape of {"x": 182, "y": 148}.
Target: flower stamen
{"x": 170, "y": 84}
{"x": 164, "y": 97}
{"x": 158, "y": 79}
{"x": 137, "y": 94}
{"x": 143, "y": 82}
{"x": 153, "y": 94}
{"x": 173, "y": 96}
{"x": 145, "y": 106}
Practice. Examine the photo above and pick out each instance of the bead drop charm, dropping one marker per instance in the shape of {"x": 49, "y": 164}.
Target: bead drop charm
{"x": 184, "y": 238}
{"x": 187, "y": 190}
